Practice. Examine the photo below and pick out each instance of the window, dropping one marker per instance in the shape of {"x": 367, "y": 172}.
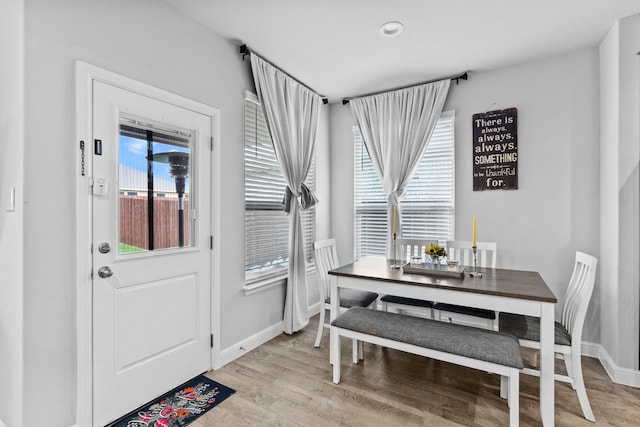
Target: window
{"x": 428, "y": 205}
{"x": 266, "y": 240}
{"x": 155, "y": 179}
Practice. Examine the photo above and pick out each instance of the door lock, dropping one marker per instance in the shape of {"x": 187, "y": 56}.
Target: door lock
{"x": 105, "y": 272}
{"x": 104, "y": 247}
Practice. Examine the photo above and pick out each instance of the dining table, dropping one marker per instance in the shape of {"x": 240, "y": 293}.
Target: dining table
{"x": 502, "y": 290}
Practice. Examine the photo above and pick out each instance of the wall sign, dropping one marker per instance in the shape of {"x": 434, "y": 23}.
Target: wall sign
{"x": 495, "y": 150}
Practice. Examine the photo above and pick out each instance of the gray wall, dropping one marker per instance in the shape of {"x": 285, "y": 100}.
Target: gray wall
{"x": 555, "y": 210}
{"x": 11, "y": 222}
{"x": 151, "y": 42}
{"x": 620, "y": 191}
{"x": 554, "y": 213}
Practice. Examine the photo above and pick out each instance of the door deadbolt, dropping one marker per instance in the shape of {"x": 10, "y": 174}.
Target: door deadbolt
{"x": 104, "y": 247}
{"x": 105, "y": 272}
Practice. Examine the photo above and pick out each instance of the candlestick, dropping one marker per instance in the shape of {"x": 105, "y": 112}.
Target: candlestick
{"x": 475, "y": 272}
{"x": 474, "y": 232}
{"x": 395, "y": 265}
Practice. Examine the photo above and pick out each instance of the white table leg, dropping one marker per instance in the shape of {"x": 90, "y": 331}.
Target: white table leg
{"x": 334, "y": 339}
{"x": 547, "y": 398}
{"x": 335, "y": 355}
{"x": 514, "y": 397}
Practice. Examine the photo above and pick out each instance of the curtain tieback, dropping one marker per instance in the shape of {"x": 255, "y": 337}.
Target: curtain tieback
{"x": 307, "y": 198}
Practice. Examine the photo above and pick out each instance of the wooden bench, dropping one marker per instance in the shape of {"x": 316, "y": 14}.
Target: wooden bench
{"x": 482, "y": 349}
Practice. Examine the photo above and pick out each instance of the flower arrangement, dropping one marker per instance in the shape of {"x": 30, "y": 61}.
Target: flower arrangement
{"x": 435, "y": 251}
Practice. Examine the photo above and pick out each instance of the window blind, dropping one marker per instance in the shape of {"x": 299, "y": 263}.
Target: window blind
{"x": 428, "y": 208}
{"x": 266, "y": 224}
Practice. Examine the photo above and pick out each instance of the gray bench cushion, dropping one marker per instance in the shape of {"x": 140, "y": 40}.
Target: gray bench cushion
{"x": 475, "y": 343}
{"x": 528, "y": 328}
{"x": 407, "y": 301}
{"x": 354, "y": 298}
{"x": 469, "y": 311}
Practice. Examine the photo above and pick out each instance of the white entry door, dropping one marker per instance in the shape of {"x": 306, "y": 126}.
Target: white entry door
{"x": 151, "y": 248}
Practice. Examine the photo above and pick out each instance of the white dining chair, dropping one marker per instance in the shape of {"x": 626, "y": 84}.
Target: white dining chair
{"x": 326, "y": 257}
{"x": 405, "y": 249}
{"x": 568, "y": 332}
{"x": 486, "y": 256}
{"x": 462, "y": 251}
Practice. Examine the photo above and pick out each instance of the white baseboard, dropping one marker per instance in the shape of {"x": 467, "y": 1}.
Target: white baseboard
{"x": 590, "y": 349}
{"x": 618, "y": 375}
{"x": 236, "y": 350}
{"x": 314, "y": 309}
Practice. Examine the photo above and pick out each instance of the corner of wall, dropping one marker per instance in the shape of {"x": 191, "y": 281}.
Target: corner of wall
{"x": 617, "y": 374}
{"x": 12, "y": 212}
{"x": 620, "y": 191}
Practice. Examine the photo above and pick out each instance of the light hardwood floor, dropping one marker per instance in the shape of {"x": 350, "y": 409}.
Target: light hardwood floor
{"x": 287, "y": 382}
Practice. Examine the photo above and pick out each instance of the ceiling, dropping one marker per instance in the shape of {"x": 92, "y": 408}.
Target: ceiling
{"x": 334, "y": 47}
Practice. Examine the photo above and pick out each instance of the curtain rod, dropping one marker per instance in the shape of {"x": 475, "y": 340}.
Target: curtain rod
{"x": 463, "y": 76}
{"x": 244, "y": 51}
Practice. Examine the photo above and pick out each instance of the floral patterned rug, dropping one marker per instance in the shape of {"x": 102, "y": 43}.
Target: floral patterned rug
{"x": 179, "y": 407}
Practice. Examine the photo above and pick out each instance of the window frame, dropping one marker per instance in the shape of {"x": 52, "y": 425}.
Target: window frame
{"x": 437, "y": 209}
{"x": 264, "y": 280}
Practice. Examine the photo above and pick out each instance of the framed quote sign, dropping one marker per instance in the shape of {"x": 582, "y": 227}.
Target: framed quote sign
{"x": 495, "y": 150}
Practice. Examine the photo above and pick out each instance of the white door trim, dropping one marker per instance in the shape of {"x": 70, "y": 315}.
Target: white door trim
{"x": 86, "y": 74}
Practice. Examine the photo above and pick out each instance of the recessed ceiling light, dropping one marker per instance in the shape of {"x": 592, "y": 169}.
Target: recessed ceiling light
{"x": 391, "y": 28}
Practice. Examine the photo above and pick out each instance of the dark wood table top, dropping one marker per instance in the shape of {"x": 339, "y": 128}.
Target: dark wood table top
{"x": 519, "y": 284}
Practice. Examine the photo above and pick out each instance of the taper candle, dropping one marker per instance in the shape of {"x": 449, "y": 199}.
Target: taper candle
{"x": 474, "y": 231}
{"x": 394, "y": 220}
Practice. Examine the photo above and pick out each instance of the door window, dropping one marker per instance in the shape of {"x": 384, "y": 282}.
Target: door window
{"x": 155, "y": 187}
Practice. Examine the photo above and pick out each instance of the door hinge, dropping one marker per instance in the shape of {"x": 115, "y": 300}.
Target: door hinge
{"x": 211, "y": 340}
{"x": 211, "y": 242}
{"x": 212, "y": 140}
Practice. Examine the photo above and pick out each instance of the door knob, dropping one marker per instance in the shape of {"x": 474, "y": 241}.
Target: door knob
{"x": 105, "y": 272}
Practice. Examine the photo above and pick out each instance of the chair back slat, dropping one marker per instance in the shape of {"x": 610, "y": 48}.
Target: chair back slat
{"x": 326, "y": 257}
{"x": 461, "y": 251}
{"x": 578, "y": 294}
{"x": 406, "y": 248}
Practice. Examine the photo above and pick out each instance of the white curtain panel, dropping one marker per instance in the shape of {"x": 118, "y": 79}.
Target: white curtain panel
{"x": 396, "y": 127}
{"x": 292, "y": 112}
